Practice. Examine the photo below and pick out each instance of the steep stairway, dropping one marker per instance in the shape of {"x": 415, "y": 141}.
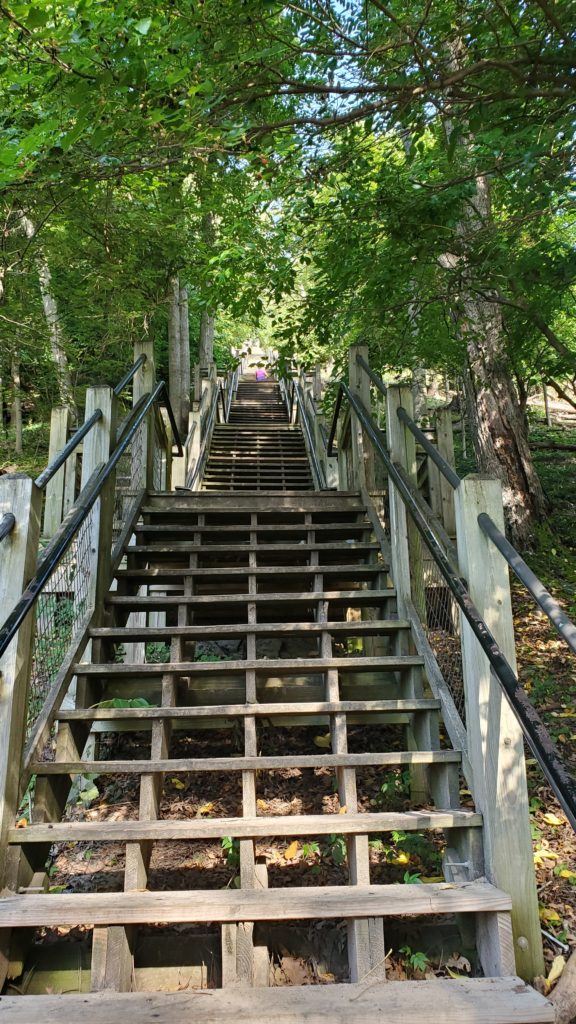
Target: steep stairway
{"x": 257, "y": 449}
{"x": 264, "y": 744}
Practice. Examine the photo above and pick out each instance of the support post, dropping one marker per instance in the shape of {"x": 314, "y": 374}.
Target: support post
{"x": 495, "y": 744}
{"x": 18, "y": 557}
{"x": 359, "y": 385}
{"x": 407, "y": 568}
{"x": 97, "y": 448}
{"x": 445, "y": 444}
{"x": 54, "y": 495}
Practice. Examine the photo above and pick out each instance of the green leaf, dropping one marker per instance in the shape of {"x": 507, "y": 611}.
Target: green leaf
{"x": 143, "y": 26}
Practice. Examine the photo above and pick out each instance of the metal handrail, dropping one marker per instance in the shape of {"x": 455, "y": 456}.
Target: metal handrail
{"x": 204, "y": 445}
{"x": 7, "y": 524}
{"x": 536, "y": 588}
{"x": 533, "y": 728}
{"x": 78, "y": 436}
{"x": 316, "y": 465}
{"x": 444, "y": 466}
{"x": 128, "y": 376}
{"x": 73, "y": 520}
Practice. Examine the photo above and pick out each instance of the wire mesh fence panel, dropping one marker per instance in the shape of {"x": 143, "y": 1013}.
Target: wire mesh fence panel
{"x": 60, "y": 611}
{"x": 440, "y": 617}
{"x": 130, "y": 481}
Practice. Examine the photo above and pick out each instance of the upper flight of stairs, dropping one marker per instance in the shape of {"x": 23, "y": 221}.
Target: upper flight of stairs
{"x": 257, "y": 449}
{"x": 269, "y": 620}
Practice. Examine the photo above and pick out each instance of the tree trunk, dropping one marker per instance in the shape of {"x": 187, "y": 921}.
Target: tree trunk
{"x": 55, "y": 333}
{"x": 175, "y": 382}
{"x": 16, "y": 412}
{"x": 206, "y": 346}
{"x": 499, "y": 435}
{"x": 206, "y": 341}
{"x": 184, "y": 356}
{"x": 419, "y": 392}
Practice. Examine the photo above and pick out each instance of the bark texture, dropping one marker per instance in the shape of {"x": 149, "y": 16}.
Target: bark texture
{"x": 495, "y": 413}
{"x": 175, "y": 382}
{"x": 16, "y": 410}
{"x": 184, "y": 357}
{"x": 55, "y": 332}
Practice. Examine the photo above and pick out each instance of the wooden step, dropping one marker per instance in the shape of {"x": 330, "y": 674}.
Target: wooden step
{"x": 190, "y": 547}
{"x": 195, "y": 907}
{"x": 285, "y": 666}
{"x": 240, "y": 763}
{"x": 260, "y": 710}
{"x": 442, "y": 1001}
{"x": 156, "y": 574}
{"x": 355, "y": 598}
{"x": 128, "y": 634}
{"x": 259, "y": 528}
{"x": 243, "y": 828}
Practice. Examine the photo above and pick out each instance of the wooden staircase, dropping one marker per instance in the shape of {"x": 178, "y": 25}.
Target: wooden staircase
{"x": 257, "y": 449}
{"x": 252, "y": 685}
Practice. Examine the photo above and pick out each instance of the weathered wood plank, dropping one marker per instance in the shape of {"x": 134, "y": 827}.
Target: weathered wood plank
{"x": 159, "y": 601}
{"x": 215, "y": 828}
{"x": 287, "y": 666}
{"x": 465, "y": 1001}
{"x": 221, "y": 764}
{"x": 241, "y": 710}
{"x": 372, "y": 628}
{"x": 192, "y": 906}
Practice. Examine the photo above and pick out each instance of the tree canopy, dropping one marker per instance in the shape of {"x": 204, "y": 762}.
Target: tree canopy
{"x": 326, "y": 172}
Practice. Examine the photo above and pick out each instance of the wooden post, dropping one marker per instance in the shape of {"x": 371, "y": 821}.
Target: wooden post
{"x": 54, "y": 495}
{"x": 145, "y": 377}
{"x": 359, "y": 384}
{"x": 445, "y": 444}
{"x": 495, "y": 745}
{"x": 97, "y": 447}
{"x": 407, "y": 568}
{"x": 18, "y": 557}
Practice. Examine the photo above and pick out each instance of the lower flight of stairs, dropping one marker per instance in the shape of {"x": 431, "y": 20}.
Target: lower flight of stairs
{"x": 257, "y": 637}
{"x": 257, "y": 449}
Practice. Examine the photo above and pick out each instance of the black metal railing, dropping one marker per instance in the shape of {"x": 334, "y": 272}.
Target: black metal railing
{"x": 533, "y": 728}
{"x": 129, "y": 375}
{"x": 7, "y": 524}
{"x": 68, "y": 528}
{"x": 298, "y": 397}
{"x": 70, "y": 446}
{"x": 206, "y": 425}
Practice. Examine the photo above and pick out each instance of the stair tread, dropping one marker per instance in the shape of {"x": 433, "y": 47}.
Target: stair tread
{"x": 240, "y": 763}
{"x": 281, "y": 546}
{"x": 181, "y": 572}
{"x": 248, "y": 528}
{"x": 364, "y": 597}
{"x": 96, "y": 714}
{"x": 443, "y": 1001}
{"x": 367, "y": 628}
{"x": 195, "y": 906}
{"x": 247, "y": 828}
{"x": 287, "y": 665}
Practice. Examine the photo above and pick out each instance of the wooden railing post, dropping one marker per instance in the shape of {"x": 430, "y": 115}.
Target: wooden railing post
{"x": 495, "y": 745}
{"x": 98, "y": 445}
{"x": 445, "y": 444}
{"x": 359, "y": 384}
{"x": 407, "y": 568}
{"x": 18, "y": 557}
{"x": 54, "y": 494}
{"x": 143, "y": 384}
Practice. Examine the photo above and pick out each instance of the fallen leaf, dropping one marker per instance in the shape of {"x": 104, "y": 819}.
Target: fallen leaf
{"x": 206, "y": 808}
{"x": 178, "y": 784}
{"x": 549, "y": 916}
{"x": 292, "y": 850}
{"x": 432, "y": 879}
{"x": 21, "y": 823}
{"x": 552, "y": 819}
{"x": 343, "y": 809}
{"x": 566, "y": 873}
{"x": 558, "y": 965}
{"x": 261, "y": 805}
{"x": 323, "y": 741}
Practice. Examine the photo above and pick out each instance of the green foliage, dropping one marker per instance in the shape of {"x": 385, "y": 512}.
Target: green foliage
{"x": 414, "y": 960}
{"x": 231, "y": 847}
